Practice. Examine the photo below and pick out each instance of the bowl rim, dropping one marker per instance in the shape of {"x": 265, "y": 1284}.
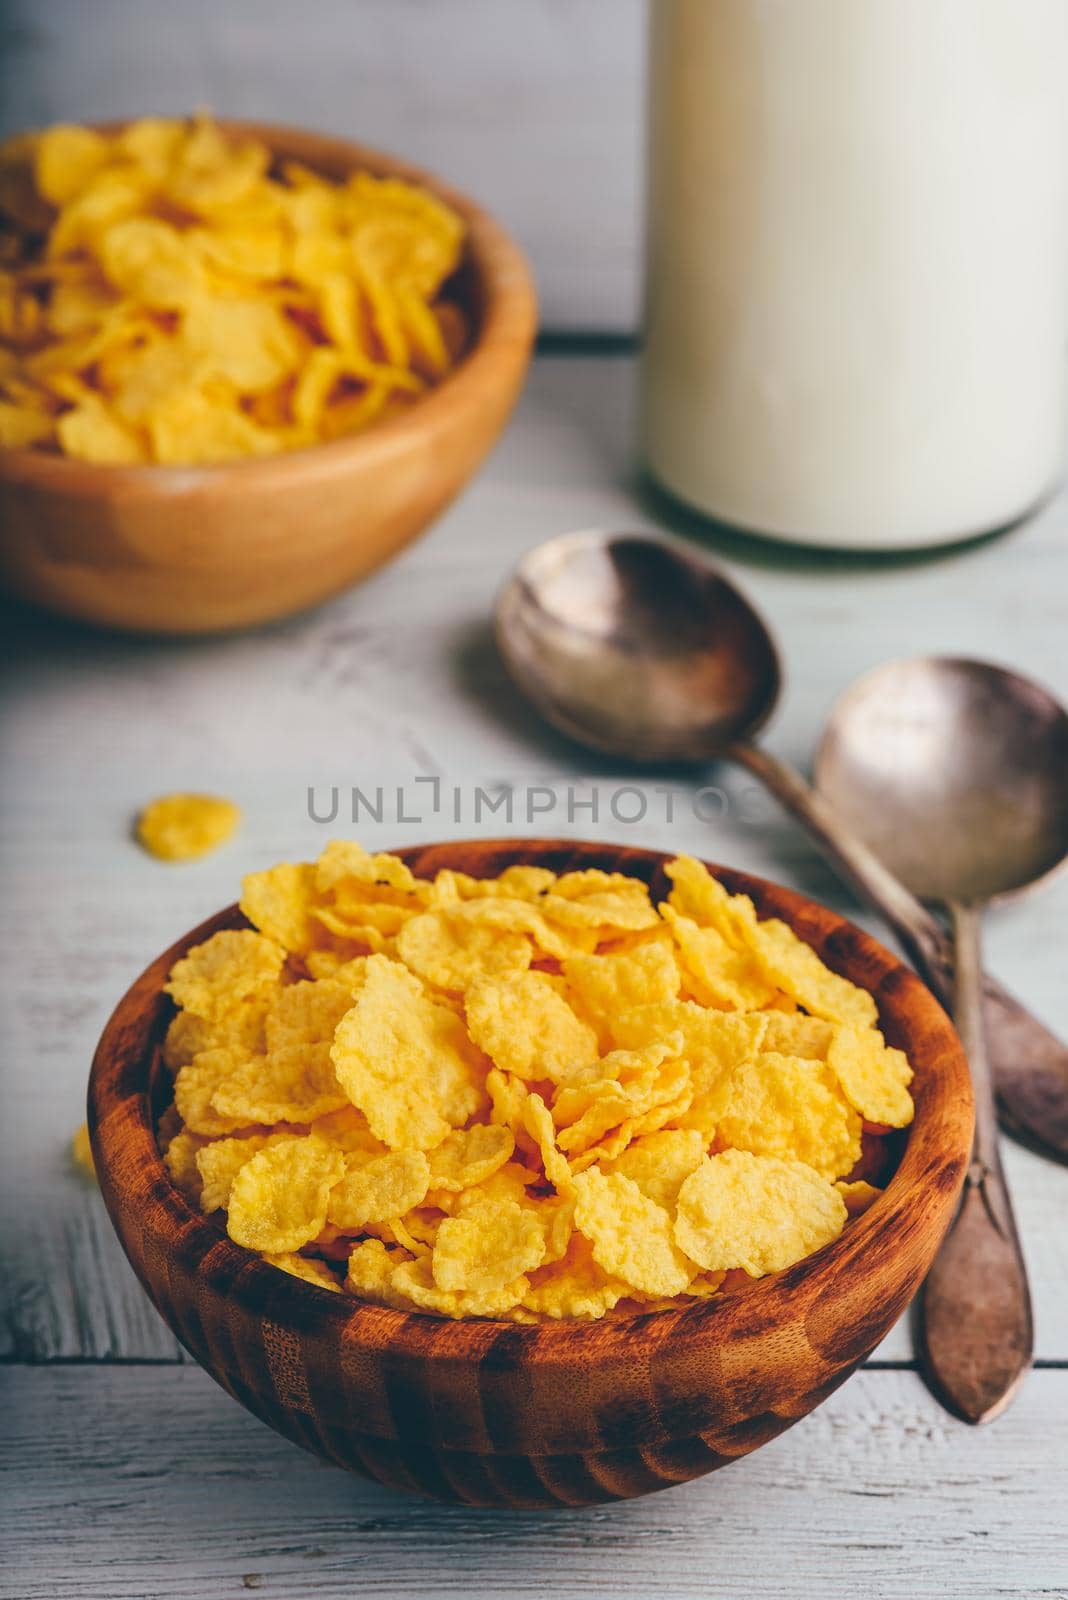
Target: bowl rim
{"x": 923, "y": 1188}
{"x": 509, "y": 317}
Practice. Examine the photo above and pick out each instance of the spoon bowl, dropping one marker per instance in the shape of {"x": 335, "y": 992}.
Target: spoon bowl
{"x": 631, "y": 646}
{"x": 955, "y": 773}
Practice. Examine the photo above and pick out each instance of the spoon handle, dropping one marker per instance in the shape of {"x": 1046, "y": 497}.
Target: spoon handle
{"x": 1030, "y": 1063}
{"x": 975, "y": 1328}
{"x": 909, "y": 918}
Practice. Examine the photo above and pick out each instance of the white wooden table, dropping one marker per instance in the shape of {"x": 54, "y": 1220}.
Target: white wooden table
{"x": 128, "y": 1473}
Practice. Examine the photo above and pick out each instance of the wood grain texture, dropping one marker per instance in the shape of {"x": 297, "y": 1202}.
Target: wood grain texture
{"x": 566, "y": 1413}
{"x": 144, "y": 1484}
{"x": 190, "y": 549}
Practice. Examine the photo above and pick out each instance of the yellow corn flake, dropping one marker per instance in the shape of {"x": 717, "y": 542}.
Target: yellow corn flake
{"x": 351, "y": 971}
{"x": 630, "y": 1235}
{"x": 517, "y": 882}
{"x": 556, "y": 1218}
{"x": 796, "y": 1034}
{"x": 421, "y": 1225}
{"x": 574, "y": 1286}
{"x": 376, "y": 1188}
{"x": 512, "y": 916}
{"x": 469, "y": 1156}
{"x": 291, "y": 1084}
{"x": 405, "y": 1061}
{"x": 696, "y": 894}
{"x": 346, "y": 864}
{"x": 23, "y": 425}
{"x": 608, "y": 985}
{"x": 397, "y": 1231}
{"x": 714, "y": 1043}
{"x": 858, "y": 1196}
{"x": 92, "y": 433}
{"x": 350, "y": 1131}
{"x": 219, "y": 1164}
{"x": 715, "y": 972}
{"x": 370, "y": 1270}
{"x": 605, "y": 904}
{"x": 508, "y": 1096}
{"x": 412, "y": 1287}
{"x": 509, "y": 1182}
{"x": 278, "y": 902}
{"x": 180, "y": 1159}
{"x": 490, "y": 1246}
{"x": 308, "y": 1270}
{"x": 498, "y": 1097}
{"x": 659, "y": 1163}
{"x": 785, "y": 1106}
{"x": 194, "y": 1093}
{"x": 279, "y": 1198}
{"x": 874, "y": 1078}
{"x": 450, "y": 950}
{"x": 756, "y": 1213}
{"x": 229, "y": 967}
{"x": 306, "y": 1014}
{"x": 538, "y": 1123}
{"x": 526, "y": 1026}
{"x": 66, "y": 159}
{"x": 630, "y": 1084}
{"x": 240, "y": 1029}
{"x": 181, "y": 827}
{"x": 796, "y": 969}
{"x": 81, "y": 1152}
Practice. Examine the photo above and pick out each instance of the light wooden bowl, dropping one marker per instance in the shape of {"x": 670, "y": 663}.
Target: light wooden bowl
{"x": 563, "y": 1414}
{"x": 199, "y": 549}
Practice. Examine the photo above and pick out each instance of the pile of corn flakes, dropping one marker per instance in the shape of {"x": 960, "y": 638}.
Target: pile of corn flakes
{"x": 532, "y": 1096}
{"x": 169, "y": 294}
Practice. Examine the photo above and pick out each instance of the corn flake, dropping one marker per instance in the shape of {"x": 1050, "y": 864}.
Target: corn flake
{"x": 489, "y": 1246}
{"x": 229, "y": 967}
{"x": 377, "y": 1188}
{"x": 629, "y": 1234}
{"x": 182, "y": 827}
{"x": 874, "y": 1078}
{"x": 405, "y": 1061}
{"x": 528, "y": 1097}
{"x": 308, "y": 1270}
{"x": 468, "y": 1156}
{"x": 526, "y": 1026}
{"x": 785, "y": 1106}
{"x": 279, "y": 1199}
{"x": 754, "y": 1212}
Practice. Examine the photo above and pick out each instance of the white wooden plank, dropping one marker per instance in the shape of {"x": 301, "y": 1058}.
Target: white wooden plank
{"x": 535, "y": 109}
{"x": 394, "y": 681}
{"x": 150, "y": 1484}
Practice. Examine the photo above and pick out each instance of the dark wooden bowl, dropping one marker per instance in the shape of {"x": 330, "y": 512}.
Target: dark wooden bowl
{"x": 564, "y": 1414}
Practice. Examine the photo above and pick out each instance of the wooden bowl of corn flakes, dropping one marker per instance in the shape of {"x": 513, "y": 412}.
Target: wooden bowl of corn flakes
{"x": 240, "y": 366}
{"x": 575, "y": 1306}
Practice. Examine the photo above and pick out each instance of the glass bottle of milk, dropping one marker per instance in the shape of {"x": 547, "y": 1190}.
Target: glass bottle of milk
{"x": 857, "y": 264}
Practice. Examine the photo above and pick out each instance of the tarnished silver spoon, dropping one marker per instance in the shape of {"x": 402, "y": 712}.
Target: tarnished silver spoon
{"x": 636, "y": 647}
{"x": 956, "y": 773}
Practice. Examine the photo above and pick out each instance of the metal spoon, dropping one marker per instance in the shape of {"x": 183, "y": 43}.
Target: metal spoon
{"x": 636, "y": 647}
{"x": 956, "y": 772}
